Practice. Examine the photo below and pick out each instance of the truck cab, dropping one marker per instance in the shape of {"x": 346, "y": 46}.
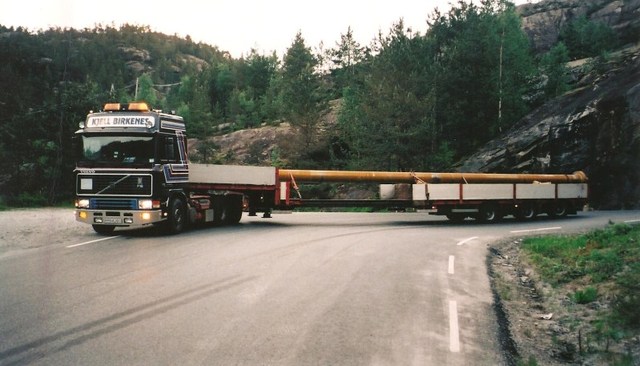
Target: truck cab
{"x": 132, "y": 163}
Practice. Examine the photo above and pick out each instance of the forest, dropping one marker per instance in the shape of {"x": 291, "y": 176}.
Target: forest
{"x": 408, "y": 101}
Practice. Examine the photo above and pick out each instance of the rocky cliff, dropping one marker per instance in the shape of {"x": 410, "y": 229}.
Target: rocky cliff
{"x": 543, "y": 20}
{"x": 595, "y": 128}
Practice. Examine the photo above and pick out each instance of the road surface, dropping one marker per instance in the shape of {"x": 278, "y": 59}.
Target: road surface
{"x": 298, "y": 289}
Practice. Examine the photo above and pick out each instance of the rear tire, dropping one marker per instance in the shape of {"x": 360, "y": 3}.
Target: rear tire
{"x": 232, "y": 209}
{"x": 456, "y": 217}
{"x": 104, "y": 229}
{"x": 488, "y": 213}
{"x": 559, "y": 209}
{"x": 526, "y": 212}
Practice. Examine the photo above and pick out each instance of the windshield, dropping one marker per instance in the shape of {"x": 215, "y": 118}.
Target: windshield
{"x": 118, "y": 150}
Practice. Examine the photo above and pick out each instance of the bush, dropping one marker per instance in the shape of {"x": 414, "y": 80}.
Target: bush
{"x": 589, "y": 294}
{"x": 28, "y": 200}
{"x": 627, "y": 302}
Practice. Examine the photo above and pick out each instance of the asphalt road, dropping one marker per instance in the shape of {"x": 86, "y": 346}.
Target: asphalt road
{"x": 298, "y": 289}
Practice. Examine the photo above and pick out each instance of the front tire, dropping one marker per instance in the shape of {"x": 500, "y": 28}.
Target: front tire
{"x": 104, "y": 229}
{"x": 177, "y": 220}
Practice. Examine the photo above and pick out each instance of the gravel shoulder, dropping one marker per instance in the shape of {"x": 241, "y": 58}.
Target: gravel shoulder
{"x": 24, "y": 229}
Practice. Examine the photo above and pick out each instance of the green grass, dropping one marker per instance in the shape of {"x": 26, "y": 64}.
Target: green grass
{"x": 600, "y": 254}
{"x": 610, "y": 256}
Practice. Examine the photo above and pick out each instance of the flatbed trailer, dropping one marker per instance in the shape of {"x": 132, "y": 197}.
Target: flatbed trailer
{"x": 134, "y": 171}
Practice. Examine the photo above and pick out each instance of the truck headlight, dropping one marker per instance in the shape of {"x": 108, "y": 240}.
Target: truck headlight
{"x": 148, "y": 204}
{"x": 145, "y": 204}
{"x": 82, "y": 203}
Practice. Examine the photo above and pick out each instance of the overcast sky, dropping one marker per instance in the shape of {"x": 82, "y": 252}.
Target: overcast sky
{"x": 236, "y": 26}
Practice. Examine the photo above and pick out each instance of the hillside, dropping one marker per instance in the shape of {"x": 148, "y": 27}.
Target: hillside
{"x": 408, "y": 101}
{"x": 594, "y": 126}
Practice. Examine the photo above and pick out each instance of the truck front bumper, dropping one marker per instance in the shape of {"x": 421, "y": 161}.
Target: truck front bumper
{"x": 137, "y": 218}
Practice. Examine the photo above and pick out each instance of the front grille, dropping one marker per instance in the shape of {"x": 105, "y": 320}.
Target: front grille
{"x": 112, "y": 204}
{"x": 115, "y": 184}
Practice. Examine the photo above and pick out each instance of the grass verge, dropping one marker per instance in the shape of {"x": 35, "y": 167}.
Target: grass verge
{"x": 599, "y": 275}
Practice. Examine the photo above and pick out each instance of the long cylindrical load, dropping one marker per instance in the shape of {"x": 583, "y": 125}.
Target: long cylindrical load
{"x": 411, "y": 177}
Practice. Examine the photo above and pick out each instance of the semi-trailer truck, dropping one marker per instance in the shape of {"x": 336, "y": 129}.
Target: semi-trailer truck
{"x": 133, "y": 171}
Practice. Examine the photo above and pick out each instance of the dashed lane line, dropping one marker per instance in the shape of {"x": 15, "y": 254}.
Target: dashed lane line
{"x": 92, "y": 241}
{"x": 454, "y": 331}
{"x": 451, "y": 264}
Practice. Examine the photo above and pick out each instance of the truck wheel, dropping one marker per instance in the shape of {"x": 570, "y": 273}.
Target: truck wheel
{"x": 558, "y": 210}
{"x": 177, "y": 220}
{"x": 525, "y": 212}
{"x": 488, "y": 213}
{"x": 104, "y": 229}
{"x": 233, "y": 209}
{"x": 456, "y": 217}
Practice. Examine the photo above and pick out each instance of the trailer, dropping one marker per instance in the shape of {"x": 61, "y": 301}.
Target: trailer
{"x": 133, "y": 171}
{"x": 481, "y": 196}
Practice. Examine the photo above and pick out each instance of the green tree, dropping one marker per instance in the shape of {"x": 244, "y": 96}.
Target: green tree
{"x": 303, "y": 94}
{"x": 483, "y": 66}
{"x": 586, "y": 38}
{"x": 146, "y": 90}
{"x": 553, "y": 65}
{"x": 346, "y": 58}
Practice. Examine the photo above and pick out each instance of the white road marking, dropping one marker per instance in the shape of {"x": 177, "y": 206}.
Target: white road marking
{"x": 92, "y": 241}
{"x": 451, "y": 261}
{"x": 534, "y": 230}
{"x": 631, "y": 221}
{"x": 454, "y": 331}
{"x": 467, "y": 240}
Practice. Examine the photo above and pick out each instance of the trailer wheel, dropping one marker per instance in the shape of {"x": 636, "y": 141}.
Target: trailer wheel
{"x": 558, "y": 210}
{"x": 456, "y": 217}
{"x": 177, "y": 219}
{"x": 525, "y": 212}
{"x": 488, "y": 213}
{"x": 104, "y": 229}
{"x": 232, "y": 209}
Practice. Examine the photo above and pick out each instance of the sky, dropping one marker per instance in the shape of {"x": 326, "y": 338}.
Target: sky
{"x": 235, "y": 26}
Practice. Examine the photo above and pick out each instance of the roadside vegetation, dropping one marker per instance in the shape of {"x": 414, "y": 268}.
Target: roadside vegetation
{"x": 589, "y": 285}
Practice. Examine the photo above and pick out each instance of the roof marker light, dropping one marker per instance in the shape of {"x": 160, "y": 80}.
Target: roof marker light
{"x": 139, "y": 106}
{"x": 111, "y": 107}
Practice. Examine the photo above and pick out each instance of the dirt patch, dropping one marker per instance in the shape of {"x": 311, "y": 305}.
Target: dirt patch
{"x": 541, "y": 325}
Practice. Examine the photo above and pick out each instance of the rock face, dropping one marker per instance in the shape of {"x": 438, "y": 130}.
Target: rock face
{"x": 595, "y": 129}
{"x": 543, "y": 20}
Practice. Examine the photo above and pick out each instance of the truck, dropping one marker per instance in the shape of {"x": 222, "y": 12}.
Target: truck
{"x": 133, "y": 171}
